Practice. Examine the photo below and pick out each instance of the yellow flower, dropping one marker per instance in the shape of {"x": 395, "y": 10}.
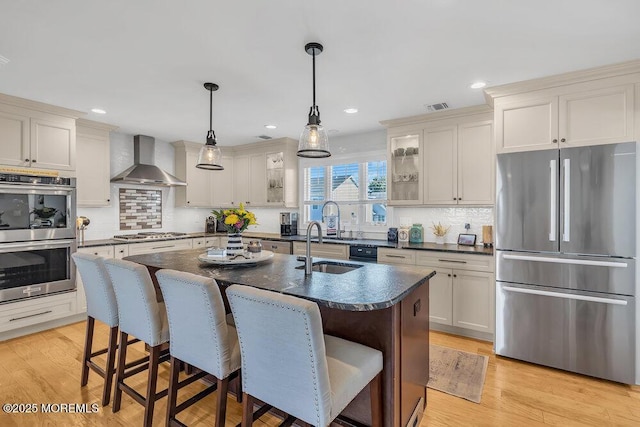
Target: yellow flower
{"x": 231, "y": 219}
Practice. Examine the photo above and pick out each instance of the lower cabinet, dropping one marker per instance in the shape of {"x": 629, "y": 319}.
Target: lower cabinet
{"x": 162, "y": 246}
{"x": 461, "y": 294}
{"x": 37, "y": 310}
{"x": 322, "y": 250}
{"x": 277, "y": 246}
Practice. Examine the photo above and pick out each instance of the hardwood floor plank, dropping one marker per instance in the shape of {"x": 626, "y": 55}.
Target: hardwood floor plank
{"x": 45, "y": 368}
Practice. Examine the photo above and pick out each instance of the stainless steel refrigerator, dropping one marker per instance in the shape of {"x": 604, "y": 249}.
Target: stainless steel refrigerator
{"x": 566, "y": 278}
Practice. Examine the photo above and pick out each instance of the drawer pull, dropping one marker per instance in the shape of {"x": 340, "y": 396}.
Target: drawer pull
{"x": 453, "y": 260}
{"x": 166, "y": 246}
{"x": 395, "y": 256}
{"x": 31, "y": 315}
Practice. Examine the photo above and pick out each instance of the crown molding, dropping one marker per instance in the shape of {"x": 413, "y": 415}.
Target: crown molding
{"x": 438, "y": 115}
{"x": 40, "y": 106}
{"x": 613, "y": 70}
{"x": 95, "y": 125}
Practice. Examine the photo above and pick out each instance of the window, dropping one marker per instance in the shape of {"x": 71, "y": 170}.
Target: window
{"x": 360, "y": 189}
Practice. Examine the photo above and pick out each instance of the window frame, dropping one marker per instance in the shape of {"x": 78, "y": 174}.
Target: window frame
{"x": 361, "y": 203}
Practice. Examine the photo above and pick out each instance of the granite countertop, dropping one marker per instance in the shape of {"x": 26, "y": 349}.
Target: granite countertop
{"x": 427, "y": 246}
{"x": 371, "y": 287}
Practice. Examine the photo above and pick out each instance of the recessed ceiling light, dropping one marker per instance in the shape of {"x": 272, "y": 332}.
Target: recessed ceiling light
{"x": 98, "y": 111}
{"x": 351, "y": 110}
{"x": 478, "y": 85}
{"x": 270, "y": 126}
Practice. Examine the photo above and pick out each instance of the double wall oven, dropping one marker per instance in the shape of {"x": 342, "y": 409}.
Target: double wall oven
{"x": 37, "y": 235}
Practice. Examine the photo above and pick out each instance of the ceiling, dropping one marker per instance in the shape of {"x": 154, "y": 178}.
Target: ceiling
{"x": 145, "y": 61}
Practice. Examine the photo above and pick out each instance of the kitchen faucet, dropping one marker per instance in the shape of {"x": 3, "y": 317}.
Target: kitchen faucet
{"x": 308, "y": 260}
{"x": 337, "y": 207}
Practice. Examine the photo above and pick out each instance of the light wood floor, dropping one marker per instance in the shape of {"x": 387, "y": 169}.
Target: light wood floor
{"x": 45, "y": 368}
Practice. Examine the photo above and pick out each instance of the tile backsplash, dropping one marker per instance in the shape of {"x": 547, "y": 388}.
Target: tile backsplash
{"x": 140, "y": 209}
{"x": 456, "y": 217}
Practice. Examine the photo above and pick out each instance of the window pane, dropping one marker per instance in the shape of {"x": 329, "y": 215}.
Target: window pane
{"x": 314, "y": 183}
{"x": 376, "y": 213}
{"x": 313, "y": 212}
{"x": 377, "y": 180}
{"x": 344, "y": 182}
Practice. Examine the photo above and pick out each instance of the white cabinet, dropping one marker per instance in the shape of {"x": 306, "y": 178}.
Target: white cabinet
{"x": 277, "y": 246}
{"x": 197, "y": 193}
{"x": 222, "y": 184}
{"x": 462, "y": 292}
{"x": 242, "y": 180}
{"x": 161, "y": 246}
{"x": 444, "y": 158}
{"x": 93, "y": 166}
{"x": 546, "y": 114}
{"x": 120, "y": 251}
{"x": 322, "y": 250}
{"x": 37, "y": 310}
{"x": 210, "y": 242}
{"x": 106, "y": 251}
{"x": 37, "y": 135}
{"x": 198, "y": 243}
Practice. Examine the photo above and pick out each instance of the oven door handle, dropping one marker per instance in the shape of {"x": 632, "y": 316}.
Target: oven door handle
{"x": 44, "y": 189}
{"x": 44, "y": 244}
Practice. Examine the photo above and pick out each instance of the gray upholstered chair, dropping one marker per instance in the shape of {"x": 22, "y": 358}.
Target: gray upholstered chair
{"x": 142, "y": 316}
{"x": 287, "y": 362}
{"x": 101, "y": 305}
{"x": 200, "y": 337}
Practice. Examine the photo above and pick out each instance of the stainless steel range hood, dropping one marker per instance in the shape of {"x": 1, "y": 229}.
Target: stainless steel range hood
{"x": 143, "y": 170}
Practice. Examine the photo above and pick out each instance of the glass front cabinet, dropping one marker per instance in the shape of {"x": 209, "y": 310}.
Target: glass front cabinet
{"x": 405, "y": 167}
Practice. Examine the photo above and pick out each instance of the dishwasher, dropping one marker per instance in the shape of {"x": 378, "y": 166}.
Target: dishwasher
{"x": 363, "y": 253}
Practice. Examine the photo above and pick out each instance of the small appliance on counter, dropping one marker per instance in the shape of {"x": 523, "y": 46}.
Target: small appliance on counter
{"x": 392, "y": 235}
{"x": 288, "y": 223}
{"x": 210, "y": 225}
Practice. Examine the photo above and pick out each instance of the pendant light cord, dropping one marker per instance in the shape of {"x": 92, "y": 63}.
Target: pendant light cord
{"x": 314, "y": 78}
{"x": 210, "y": 109}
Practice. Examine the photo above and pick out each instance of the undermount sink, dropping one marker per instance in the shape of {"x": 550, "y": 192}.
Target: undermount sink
{"x": 331, "y": 267}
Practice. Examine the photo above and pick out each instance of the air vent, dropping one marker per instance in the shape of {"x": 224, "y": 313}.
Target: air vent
{"x": 3, "y": 61}
{"x": 264, "y": 137}
{"x": 436, "y": 107}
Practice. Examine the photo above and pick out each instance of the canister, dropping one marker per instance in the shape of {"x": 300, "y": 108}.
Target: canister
{"x": 416, "y": 233}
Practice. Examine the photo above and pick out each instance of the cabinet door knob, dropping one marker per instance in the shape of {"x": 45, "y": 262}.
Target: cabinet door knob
{"x": 562, "y": 140}
{"x": 455, "y": 275}
{"x": 26, "y": 160}
{"x": 108, "y": 200}
{"x": 33, "y": 161}
{"x": 448, "y": 275}
{"x": 188, "y": 202}
{"x": 455, "y": 198}
{"x": 459, "y": 198}
{"x": 555, "y": 141}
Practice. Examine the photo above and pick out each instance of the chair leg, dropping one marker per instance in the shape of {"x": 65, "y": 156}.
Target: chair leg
{"x": 122, "y": 360}
{"x": 86, "y": 354}
{"x": 375, "y": 390}
{"x": 149, "y": 404}
{"x": 247, "y": 410}
{"x": 111, "y": 360}
{"x": 221, "y": 412}
{"x": 239, "y": 390}
{"x": 173, "y": 389}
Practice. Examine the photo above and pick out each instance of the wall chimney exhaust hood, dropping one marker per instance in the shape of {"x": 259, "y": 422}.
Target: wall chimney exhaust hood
{"x": 143, "y": 171}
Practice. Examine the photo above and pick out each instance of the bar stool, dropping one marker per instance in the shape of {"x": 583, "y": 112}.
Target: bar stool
{"x": 287, "y": 362}
{"x": 101, "y": 305}
{"x": 144, "y": 318}
{"x": 200, "y": 337}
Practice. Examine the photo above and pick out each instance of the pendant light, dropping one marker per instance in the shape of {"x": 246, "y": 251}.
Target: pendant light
{"x": 314, "y": 141}
{"x": 210, "y": 154}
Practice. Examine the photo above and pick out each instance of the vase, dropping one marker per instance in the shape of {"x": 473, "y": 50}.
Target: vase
{"x": 440, "y": 240}
{"x": 234, "y": 244}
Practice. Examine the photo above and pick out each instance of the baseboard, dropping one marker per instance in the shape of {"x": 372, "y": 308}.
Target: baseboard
{"x": 484, "y": 336}
{"x": 39, "y": 327}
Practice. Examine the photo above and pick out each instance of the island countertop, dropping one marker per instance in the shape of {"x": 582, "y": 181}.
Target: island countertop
{"x": 371, "y": 287}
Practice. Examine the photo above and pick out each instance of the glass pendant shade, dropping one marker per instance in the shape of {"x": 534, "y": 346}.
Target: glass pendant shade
{"x": 314, "y": 142}
{"x": 210, "y": 156}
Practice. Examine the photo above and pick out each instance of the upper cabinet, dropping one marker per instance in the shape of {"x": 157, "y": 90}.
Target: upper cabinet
{"x": 37, "y": 135}
{"x": 444, "y": 158}
{"x": 263, "y": 174}
{"x": 93, "y": 165}
{"x": 583, "y": 108}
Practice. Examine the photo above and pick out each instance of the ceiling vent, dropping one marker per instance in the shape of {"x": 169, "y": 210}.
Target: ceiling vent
{"x": 436, "y": 107}
{"x": 265, "y": 137}
{"x": 3, "y": 61}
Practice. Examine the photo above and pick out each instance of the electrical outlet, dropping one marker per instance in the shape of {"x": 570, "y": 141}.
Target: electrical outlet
{"x": 467, "y": 226}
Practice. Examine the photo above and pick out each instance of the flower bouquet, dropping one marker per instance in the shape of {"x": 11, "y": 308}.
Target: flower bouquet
{"x": 235, "y": 220}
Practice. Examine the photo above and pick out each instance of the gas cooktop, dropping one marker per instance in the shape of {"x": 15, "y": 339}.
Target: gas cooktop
{"x": 148, "y": 235}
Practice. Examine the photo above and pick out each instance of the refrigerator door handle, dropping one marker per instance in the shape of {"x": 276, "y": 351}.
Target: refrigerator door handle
{"x": 567, "y": 200}
{"x": 565, "y": 296}
{"x": 553, "y": 188}
{"x": 566, "y": 261}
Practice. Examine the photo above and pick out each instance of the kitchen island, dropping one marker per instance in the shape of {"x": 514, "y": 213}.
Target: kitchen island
{"x": 382, "y": 306}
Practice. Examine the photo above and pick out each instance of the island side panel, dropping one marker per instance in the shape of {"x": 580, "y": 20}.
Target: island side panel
{"x": 379, "y": 329}
{"x": 414, "y": 353}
